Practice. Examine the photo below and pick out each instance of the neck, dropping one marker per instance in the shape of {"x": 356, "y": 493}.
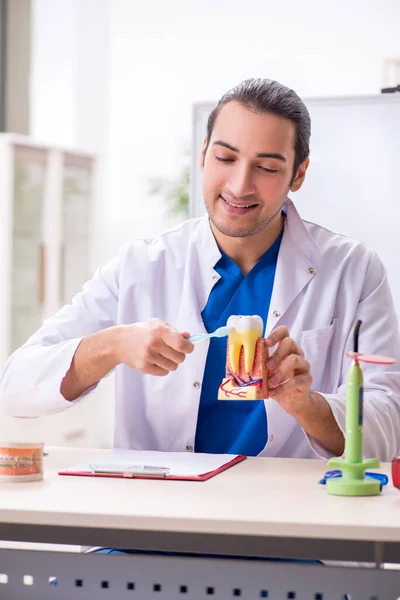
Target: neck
{"x": 246, "y": 251}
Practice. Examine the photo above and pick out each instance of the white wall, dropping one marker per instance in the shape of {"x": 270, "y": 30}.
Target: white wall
{"x": 70, "y": 75}
{"x": 167, "y": 55}
{"x": 120, "y": 76}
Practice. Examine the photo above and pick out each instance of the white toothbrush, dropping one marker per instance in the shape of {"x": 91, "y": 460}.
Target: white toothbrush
{"x": 220, "y": 332}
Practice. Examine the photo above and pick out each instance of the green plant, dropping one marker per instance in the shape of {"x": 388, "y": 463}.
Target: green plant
{"x": 174, "y": 192}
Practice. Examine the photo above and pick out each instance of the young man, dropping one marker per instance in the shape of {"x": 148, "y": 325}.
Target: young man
{"x": 251, "y": 254}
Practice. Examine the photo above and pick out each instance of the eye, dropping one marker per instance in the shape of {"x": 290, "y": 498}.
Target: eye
{"x": 225, "y": 160}
{"x": 268, "y": 170}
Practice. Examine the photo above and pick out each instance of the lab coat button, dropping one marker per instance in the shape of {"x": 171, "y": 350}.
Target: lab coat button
{"x": 271, "y": 438}
{"x": 196, "y": 384}
{"x": 215, "y": 278}
{"x": 311, "y": 270}
{"x": 276, "y": 313}
{"x": 189, "y": 448}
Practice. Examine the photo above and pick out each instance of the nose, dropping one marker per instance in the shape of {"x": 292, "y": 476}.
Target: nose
{"x": 241, "y": 181}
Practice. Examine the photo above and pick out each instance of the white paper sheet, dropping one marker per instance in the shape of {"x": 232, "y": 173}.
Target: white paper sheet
{"x": 178, "y": 464}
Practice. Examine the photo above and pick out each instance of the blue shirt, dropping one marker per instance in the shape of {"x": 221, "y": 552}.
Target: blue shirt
{"x": 233, "y": 426}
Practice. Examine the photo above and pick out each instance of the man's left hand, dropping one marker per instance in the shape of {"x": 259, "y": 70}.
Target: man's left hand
{"x": 290, "y": 378}
{"x": 290, "y": 384}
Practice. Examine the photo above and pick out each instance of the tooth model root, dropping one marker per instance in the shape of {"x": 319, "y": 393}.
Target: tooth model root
{"x": 235, "y": 346}
{"x": 246, "y": 339}
{"x": 249, "y": 343}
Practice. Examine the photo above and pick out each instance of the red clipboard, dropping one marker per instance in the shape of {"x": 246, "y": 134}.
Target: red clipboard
{"x": 131, "y": 475}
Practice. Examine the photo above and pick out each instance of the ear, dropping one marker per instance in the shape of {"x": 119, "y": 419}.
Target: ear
{"x": 203, "y": 154}
{"x": 300, "y": 176}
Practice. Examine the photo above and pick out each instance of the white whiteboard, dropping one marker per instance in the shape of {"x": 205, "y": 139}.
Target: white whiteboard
{"x": 353, "y": 183}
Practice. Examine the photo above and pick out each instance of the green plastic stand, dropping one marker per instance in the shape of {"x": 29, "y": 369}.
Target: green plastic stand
{"x": 353, "y": 481}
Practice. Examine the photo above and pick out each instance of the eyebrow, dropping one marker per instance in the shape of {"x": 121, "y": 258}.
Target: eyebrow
{"x": 260, "y": 155}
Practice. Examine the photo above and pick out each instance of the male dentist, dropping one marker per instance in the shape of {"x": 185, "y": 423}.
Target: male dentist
{"x": 251, "y": 254}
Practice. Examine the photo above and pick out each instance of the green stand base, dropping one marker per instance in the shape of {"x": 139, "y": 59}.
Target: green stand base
{"x": 362, "y": 487}
{"x": 353, "y": 482}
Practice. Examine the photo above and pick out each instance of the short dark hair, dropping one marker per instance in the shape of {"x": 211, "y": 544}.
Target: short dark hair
{"x": 268, "y": 96}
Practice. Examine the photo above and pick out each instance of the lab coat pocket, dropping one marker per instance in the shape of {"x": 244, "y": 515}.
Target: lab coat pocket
{"x": 316, "y": 345}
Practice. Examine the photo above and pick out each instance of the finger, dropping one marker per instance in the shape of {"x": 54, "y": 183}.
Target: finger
{"x": 170, "y": 353}
{"x": 155, "y": 370}
{"x": 277, "y": 335}
{"x": 187, "y": 335}
{"x": 164, "y": 363}
{"x": 176, "y": 340}
{"x": 286, "y": 347}
{"x": 298, "y": 385}
{"x": 290, "y": 366}
{"x": 171, "y": 336}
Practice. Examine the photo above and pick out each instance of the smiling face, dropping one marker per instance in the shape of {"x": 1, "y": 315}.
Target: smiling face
{"x": 248, "y": 170}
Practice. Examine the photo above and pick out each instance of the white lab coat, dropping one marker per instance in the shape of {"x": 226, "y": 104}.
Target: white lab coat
{"x": 324, "y": 283}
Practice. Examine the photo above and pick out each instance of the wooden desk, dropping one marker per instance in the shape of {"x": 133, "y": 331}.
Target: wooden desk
{"x": 261, "y": 507}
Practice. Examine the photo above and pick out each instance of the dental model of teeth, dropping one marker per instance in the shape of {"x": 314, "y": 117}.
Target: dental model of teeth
{"x": 246, "y": 376}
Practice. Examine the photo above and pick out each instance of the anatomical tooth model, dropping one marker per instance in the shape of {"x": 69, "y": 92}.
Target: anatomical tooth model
{"x": 246, "y": 376}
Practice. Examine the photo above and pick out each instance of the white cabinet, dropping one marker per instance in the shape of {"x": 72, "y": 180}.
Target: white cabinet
{"x": 47, "y": 226}
{"x": 46, "y": 215}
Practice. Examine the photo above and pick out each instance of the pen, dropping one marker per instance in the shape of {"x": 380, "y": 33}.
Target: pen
{"x": 131, "y": 473}
{"x": 132, "y": 469}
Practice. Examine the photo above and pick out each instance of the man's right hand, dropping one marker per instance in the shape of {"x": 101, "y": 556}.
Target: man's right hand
{"x": 152, "y": 347}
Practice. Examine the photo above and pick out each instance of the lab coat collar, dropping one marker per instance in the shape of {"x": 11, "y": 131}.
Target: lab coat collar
{"x": 207, "y": 244}
{"x": 297, "y": 230}
{"x": 296, "y": 266}
{"x": 294, "y": 227}
{"x": 202, "y": 255}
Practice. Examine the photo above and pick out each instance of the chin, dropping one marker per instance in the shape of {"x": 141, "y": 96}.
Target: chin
{"x": 231, "y": 231}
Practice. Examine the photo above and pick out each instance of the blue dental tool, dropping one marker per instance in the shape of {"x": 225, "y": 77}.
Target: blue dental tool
{"x": 381, "y": 477}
